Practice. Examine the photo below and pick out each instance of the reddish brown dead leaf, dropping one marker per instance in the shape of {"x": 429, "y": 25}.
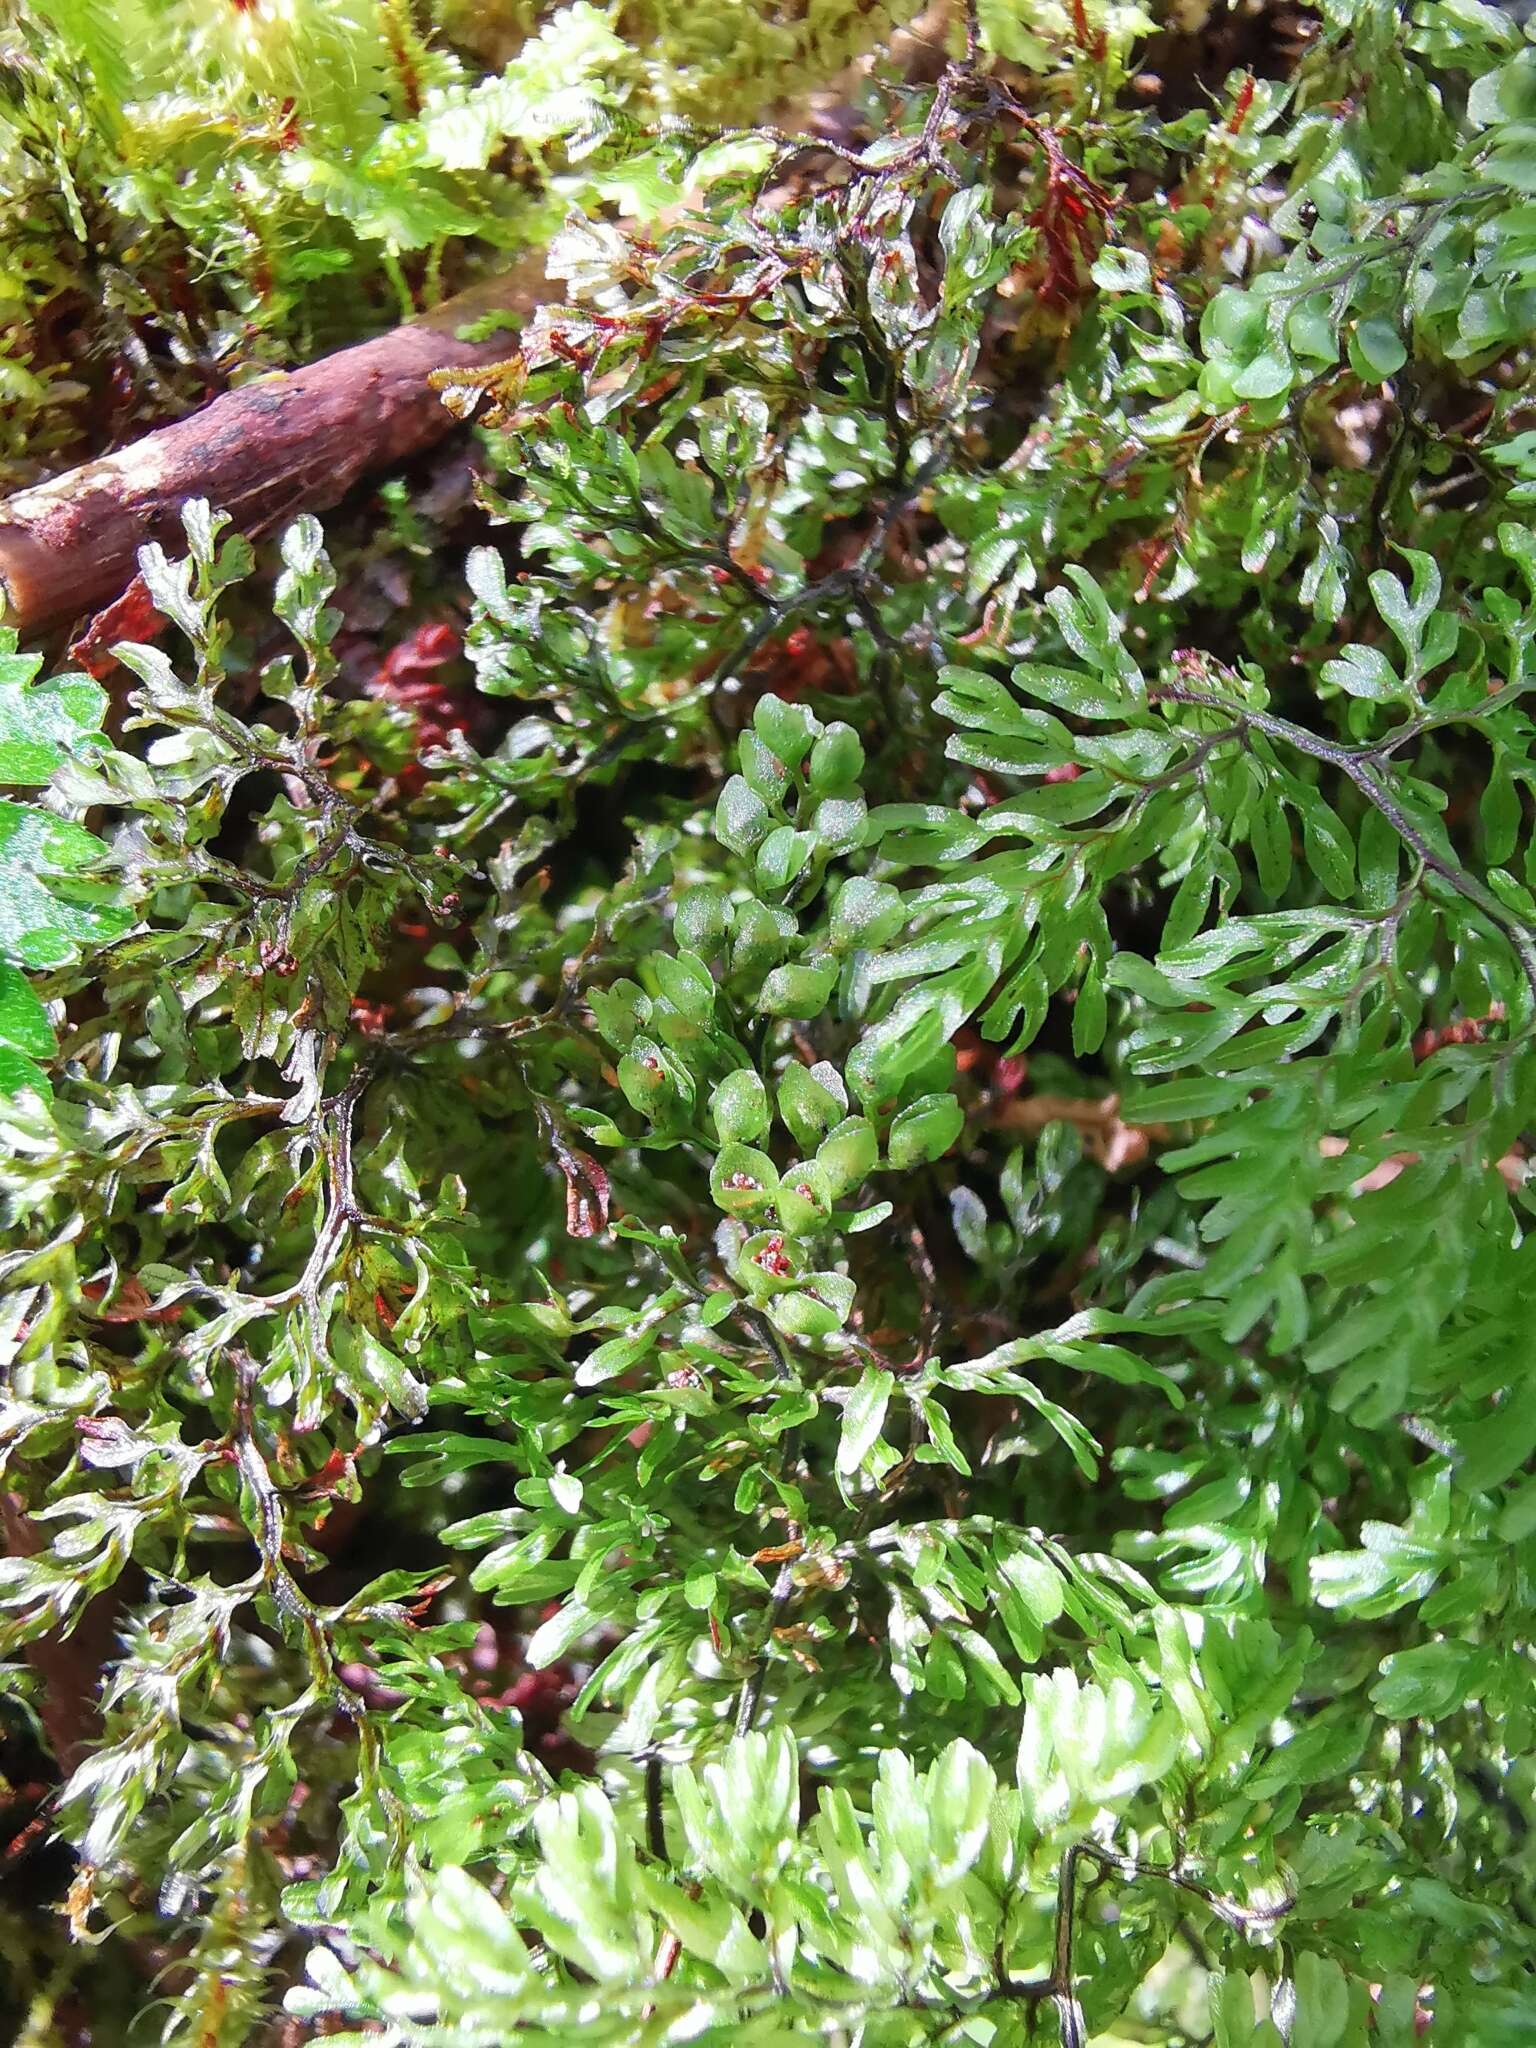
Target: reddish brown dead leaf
{"x": 130, "y": 617}
{"x": 131, "y": 1303}
{"x": 1464, "y": 1031}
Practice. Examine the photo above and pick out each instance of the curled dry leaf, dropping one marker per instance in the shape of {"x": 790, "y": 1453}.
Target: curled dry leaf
{"x": 586, "y": 1193}
{"x": 133, "y": 616}
{"x": 587, "y": 1185}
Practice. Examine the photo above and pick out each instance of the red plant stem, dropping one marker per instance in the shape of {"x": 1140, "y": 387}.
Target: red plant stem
{"x": 1091, "y": 41}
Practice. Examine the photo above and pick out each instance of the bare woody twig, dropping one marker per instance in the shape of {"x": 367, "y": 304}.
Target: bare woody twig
{"x": 287, "y": 443}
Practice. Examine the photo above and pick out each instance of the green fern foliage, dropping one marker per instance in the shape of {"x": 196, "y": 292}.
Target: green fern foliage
{"x": 808, "y": 1322}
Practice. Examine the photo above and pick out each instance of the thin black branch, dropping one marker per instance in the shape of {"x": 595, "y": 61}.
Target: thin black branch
{"x": 750, "y": 1696}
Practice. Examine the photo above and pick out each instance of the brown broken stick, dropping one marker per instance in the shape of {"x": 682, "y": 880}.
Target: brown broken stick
{"x": 291, "y": 442}
{"x": 1113, "y": 1144}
